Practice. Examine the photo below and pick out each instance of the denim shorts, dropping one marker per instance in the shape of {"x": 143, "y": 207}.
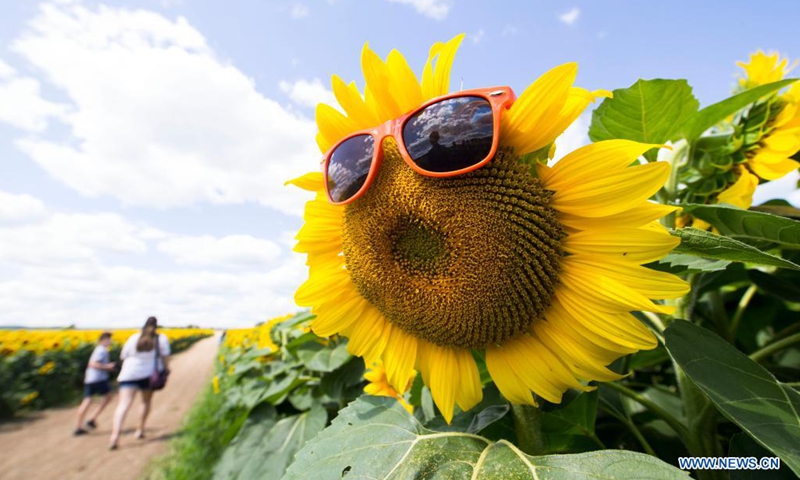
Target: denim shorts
{"x": 141, "y": 384}
{"x": 97, "y": 388}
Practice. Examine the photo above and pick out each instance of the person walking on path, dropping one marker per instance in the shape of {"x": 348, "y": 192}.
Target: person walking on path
{"x": 95, "y": 382}
{"x": 143, "y": 353}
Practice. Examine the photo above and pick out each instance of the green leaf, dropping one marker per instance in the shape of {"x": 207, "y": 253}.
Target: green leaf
{"x": 650, "y": 111}
{"x": 787, "y": 211}
{"x": 571, "y": 428}
{"x": 713, "y": 114}
{"x": 746, "y": 224}
{"x": 344, "y": 379}
{"x": 323, "y": 358}
{"x": 744, "y": 446}
{"x": 742, "y": 390}
{"x": 681, "y": 263}
{"x": 709, "y": 245}
{"x": 785, "y": 287}
{"x": 265, "y": 446}
{"x": 374, "y": 437}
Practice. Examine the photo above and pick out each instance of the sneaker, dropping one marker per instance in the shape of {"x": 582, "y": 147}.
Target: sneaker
{"x": 79, "y": 431}
{"x": 91, "y": 424}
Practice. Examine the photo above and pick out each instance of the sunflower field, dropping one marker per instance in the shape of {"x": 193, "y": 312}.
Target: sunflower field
{"x": 43, "y": 368}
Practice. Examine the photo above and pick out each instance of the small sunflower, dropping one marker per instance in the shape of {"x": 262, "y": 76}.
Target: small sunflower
{"x": 778, "y": 135}
{"x": 535, "y": 269}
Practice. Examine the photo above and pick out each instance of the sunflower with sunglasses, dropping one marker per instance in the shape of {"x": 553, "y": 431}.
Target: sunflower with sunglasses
{"x": 432, "y": 242}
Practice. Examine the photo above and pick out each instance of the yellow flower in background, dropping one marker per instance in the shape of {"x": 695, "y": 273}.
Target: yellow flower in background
{"x": 540, "y": 272}
{"x": 769, "y": 157}
{"x": 215, "y": 384}
{"x": 29, "y": 398}
{"x": 379, "y": 384}
{"x": 739, "y": 194}
{"x": 47, "y": 368}
{"x": 763, "y": 68}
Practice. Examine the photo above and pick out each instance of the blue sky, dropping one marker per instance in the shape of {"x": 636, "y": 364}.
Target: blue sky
{"x": 143, "y": 145}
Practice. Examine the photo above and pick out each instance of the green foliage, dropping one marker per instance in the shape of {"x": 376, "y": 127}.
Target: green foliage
{"x": 206, "y": 431}
{"x": 649, "y": 111}
{"x": 742, "y": 390}
{"x": 265, "y": 445}
{"x": 716, "y": 113}
{"x": 376, "y": 438}
{"x": 746, "y": 225}
{"x": 705, "y": 244}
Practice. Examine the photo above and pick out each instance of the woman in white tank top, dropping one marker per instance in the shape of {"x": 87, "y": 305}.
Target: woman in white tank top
{"x": 138, "y": 364}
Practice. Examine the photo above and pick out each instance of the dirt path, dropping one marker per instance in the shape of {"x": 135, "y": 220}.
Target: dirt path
{"x": 42, "y": 446}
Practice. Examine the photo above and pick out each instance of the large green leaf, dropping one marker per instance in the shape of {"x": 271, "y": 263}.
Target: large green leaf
{"x": 571, "y": 428}
{"x": 323, "y": 358}
{"x": 375, "y": 437}
{"x": 741, "y": 389}
{"x": 265, "y": 446}
{"x": 713, "y": 114}
{"x": 650, "y": 111}
{"x": 747, "y": 224}
{"x": 709, "y": 245}
{"x": 743, "y": 446}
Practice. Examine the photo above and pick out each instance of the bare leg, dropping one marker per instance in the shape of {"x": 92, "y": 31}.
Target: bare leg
{"x": 147, "y": 398}
{"x": 82, "y": 411}
{"x": 126, "y": 396}
{"x": 105, "y": 401}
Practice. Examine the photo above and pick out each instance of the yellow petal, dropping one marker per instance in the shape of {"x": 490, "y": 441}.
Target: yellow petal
{"x": 312, "y": 181}
{"x": 620, "y": 327}
{"x": 593, "y": 160}
{"x": 337, "y": 315}
{"x": 583, "y": 327}
{"x": 650, "y": 283}
{"x": 444, "y": 64}
{"x": 378, "y": 80}
{"x": 469, "y": 391}
{"x": 636, "y": 245}
{"x": 321, "y": 288}
{"x": 399, "y": 358}
{"x": 611, "y": 193}
{"x": 333, "y": 126}
{"x": 773, "y": 171}
{"x": 740, "y": 194}
{"x": 405, "y": 85}
{"x": 353, "y": 104}
{"x": 505, "y": 377}
{"x": 439, "y": 369}
{"x": 637, "y": 216}
{"x": 368, "y": 335}
{"x": 586, "y": 360}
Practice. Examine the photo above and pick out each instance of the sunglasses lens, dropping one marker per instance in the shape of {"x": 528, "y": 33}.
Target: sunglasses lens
{"x": 450, "y": 135}
{"x": 349, "y": 166}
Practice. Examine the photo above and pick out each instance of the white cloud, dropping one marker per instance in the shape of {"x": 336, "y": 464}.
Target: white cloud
{"x": 570, "y": 17}
{"x": 102, "y": 270}
{"x": 299, "y": 11}
{"x": 76, "y": 239}
{"x": 308, "y": 93}
{"x": 478, "y": 37}
{"x": 436, "y": 9}
{"x": 23, "y": 106}
{"x": 158, "y": 119}
{"x": 15, "y": 207}
{"x": 237, "y": 251}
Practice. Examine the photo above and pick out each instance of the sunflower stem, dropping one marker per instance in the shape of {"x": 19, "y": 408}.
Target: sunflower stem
{"x": 737, "y": 316}
{"x": 673, "y": 422}
{"x": 701, "y": 415}
{"x": 775, "y": 347}
{"x": 528, "y": 427}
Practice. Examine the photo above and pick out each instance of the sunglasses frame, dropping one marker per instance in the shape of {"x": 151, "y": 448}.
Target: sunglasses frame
{"x": 500, "y": 98}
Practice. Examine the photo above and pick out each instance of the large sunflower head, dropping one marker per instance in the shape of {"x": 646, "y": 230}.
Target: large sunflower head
{"x": 535, "y": 268}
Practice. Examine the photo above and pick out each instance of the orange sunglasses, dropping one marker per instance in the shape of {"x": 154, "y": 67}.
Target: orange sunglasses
{"x": 444, "y": 137}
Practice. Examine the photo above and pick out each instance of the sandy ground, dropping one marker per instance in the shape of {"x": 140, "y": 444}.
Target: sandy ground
{"x": 41, "y": 446}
